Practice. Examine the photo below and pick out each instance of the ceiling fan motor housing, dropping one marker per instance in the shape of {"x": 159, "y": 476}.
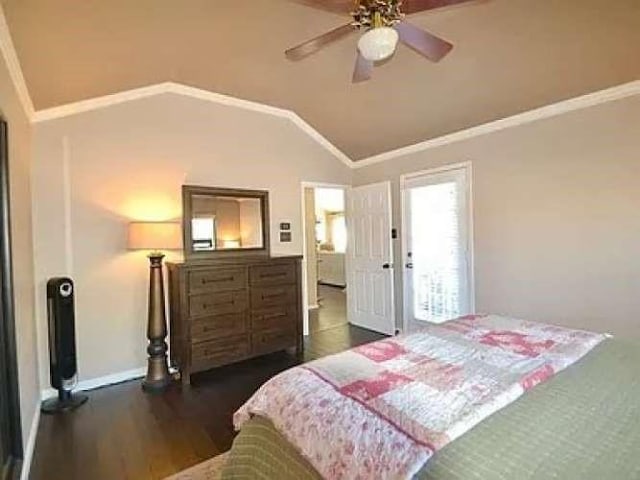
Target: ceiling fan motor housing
{"x": 377, "y": 13}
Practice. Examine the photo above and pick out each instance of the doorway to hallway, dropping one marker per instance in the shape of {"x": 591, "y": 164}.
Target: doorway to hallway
{"x": 325, "y": 257}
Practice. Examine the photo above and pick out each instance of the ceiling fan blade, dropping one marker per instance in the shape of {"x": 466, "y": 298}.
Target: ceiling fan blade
{"x": 423, "y": 42}
{"x": 363, "y": 69}
{"x": 336, "y": 6}
{"x": 312, "y": 46}
{"x": 414, "y": 6}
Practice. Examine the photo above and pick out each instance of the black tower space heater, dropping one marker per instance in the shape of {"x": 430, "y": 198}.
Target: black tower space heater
{"x": 62, "y": 346}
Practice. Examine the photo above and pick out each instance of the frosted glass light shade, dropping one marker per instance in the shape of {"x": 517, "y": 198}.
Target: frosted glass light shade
{"x": 378, "y": 43}
{"x": 154, "y": 236}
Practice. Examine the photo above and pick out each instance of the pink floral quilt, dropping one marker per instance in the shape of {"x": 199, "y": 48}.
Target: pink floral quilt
{"x": 381, "y": 410}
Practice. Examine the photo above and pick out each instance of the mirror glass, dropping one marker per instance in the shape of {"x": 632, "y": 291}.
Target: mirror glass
{"x": 218, "y": 220}
{"x": 223, "y": 223}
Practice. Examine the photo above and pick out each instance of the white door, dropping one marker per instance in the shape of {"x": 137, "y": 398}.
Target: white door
{"x": 437, "y": 247}
{"x": 370, "y": 258}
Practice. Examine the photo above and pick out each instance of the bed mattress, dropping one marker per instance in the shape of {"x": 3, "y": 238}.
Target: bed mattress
{"x": 583, "y": 423}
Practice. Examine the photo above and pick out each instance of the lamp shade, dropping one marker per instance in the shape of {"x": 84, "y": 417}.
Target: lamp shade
{"x": 378, "y": 43}
{"x": 154, "y": 236}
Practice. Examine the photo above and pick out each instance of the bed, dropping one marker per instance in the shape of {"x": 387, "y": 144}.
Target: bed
{"x": 581, "y": 422}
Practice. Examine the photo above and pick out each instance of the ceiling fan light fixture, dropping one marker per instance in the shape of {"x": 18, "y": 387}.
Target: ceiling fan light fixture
{"x": 378, "y": 43}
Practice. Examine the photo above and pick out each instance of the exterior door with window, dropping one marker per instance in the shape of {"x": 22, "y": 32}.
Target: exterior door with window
{"x": 437, "y": 248}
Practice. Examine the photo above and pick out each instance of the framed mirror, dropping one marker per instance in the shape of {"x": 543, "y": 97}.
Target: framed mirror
{"x": 224, "y": 221}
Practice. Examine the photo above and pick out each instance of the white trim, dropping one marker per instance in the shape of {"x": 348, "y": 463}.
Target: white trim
{"x": 403, "y": 252}
{"x": 192, "y": 92}
{"x": 431, "y": 171}
{"x": 13, "y": 65}
{"x": 98, "y": 382}
{"x": 472, "y": 243}
{"x": 547, "y": 111}
{"x": 97, "y": 103}
{"x": 552, "y": 110}
{"x": 404, "y": 178}
{"x": 305, "y": 288}
{"x": 27, "y": 457}
{"x": 565, "y": 106}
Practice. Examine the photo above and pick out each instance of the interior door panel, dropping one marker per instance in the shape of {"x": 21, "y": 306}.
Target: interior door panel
{"x": 370, "y": 258}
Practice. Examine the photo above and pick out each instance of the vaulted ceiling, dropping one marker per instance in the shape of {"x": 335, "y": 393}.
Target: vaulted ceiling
{"x": 510, "y": 56}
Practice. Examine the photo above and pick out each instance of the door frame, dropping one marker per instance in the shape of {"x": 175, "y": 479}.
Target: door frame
{"x": 305, "y": 288}
{"x": 468, "y": 166}
{"x": 8, "y": 327}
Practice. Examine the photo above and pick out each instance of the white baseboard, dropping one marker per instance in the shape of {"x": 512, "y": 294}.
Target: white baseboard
{"x": 100, "y": 381}
{"x": 31, "y": 445}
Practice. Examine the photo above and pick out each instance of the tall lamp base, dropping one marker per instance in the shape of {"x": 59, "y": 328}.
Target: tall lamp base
{"x": 158, "y": 377}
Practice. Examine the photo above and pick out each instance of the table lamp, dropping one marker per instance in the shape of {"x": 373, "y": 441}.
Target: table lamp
{"x": 156, "y": 236}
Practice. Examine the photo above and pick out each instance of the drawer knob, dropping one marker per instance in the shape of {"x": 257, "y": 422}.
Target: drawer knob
{"x": 272, "y": 275}
{"x": 272, "y": 295}
{"x": 274, "y": 315}
{"x": 206, "y": 281}
{"x": 206, "y": 306}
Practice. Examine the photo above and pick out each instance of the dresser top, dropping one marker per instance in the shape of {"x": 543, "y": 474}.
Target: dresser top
{"x": 239, "y": 260}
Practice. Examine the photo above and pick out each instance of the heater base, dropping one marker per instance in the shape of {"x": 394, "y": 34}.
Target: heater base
{"x": 65, "y": 402}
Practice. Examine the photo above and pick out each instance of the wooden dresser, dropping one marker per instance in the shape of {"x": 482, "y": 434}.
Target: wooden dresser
{"x": 226, "y": 310}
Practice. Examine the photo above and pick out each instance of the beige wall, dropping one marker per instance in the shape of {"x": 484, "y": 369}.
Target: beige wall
{"x": 250, "y": 223}
{"x": 556, "y": 216}
{"x": 227, "y": 221}
{"x": 128, "y": 162}
{"x": 19, "y": 165}
{"x": 226, "y": 213}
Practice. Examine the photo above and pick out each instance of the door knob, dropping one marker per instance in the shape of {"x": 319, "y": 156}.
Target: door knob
{"x": 409, "y": 265}
{"x": 386, "y": 266}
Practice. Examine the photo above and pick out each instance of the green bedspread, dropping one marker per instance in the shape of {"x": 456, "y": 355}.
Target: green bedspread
{"x": 582, "y": 424}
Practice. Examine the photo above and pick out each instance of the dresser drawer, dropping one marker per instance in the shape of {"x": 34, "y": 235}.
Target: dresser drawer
{"x": 217, "y": 280}
{"x": 219, "y": 352}
{"x": 278, "y": 274}
{"x": 262, "y": 297}
{"x": 217, "y": 303}
{"x": 274, "y": 317}
{"x": 217, "y": 326}
{"x": 272, "y": 341}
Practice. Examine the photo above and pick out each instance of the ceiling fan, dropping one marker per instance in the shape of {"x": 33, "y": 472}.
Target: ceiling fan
{"x": 384, "y": 24}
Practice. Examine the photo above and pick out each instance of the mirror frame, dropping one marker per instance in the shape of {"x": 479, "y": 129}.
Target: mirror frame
{"x": 188, "y": 191}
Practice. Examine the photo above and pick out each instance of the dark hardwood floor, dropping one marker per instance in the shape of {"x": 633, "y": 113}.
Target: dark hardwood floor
{"x": 123, "y": 433}
{"x": 332, "y": 311}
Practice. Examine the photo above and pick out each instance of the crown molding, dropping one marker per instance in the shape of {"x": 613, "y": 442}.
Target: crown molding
{"x": 551, "y": 110}
{"x": 192, "y": 92}
{"x": 13, "y": 65}
{"x": 547, "y": 111}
